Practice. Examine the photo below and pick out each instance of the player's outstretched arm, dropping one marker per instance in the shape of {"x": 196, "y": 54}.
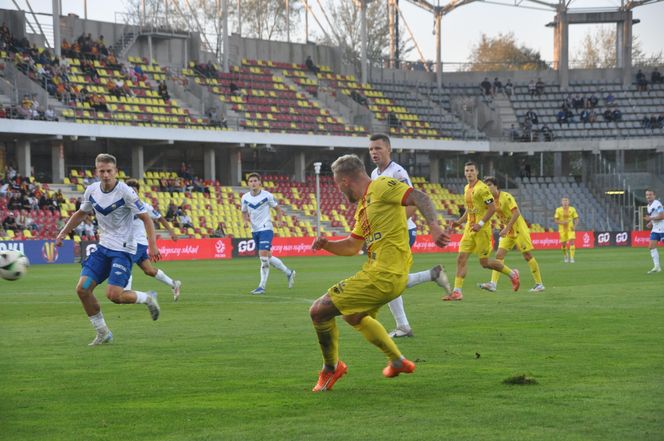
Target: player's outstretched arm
{"x": 424, "y": 204}
{"x": 348, "y": 246}
{"x": 72, "y": 223}
{"x": 152, "y": 239}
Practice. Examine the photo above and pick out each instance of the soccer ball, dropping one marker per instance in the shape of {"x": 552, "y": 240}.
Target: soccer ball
{"x": 13, "y": 265}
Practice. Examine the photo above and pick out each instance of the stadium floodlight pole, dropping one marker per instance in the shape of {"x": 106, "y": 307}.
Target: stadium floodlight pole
{"x": 57, "y": 11}
{"x": 363, "y": 32}
{"x": 317, "y": 166}
{"x": 226, "y": 45}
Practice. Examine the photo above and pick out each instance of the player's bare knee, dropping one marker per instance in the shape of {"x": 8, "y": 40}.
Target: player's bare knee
{"x": 152, "y": 272}
{"x": 114, "y": 293}
{"x": 527, "y": 256}
{"x": 485, "y": 263}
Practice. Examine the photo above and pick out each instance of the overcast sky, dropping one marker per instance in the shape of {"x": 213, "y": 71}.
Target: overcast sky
{"x": 461, "y": 28}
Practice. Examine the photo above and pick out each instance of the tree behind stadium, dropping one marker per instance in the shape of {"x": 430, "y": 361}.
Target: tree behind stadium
{"x": 503, "y": 53}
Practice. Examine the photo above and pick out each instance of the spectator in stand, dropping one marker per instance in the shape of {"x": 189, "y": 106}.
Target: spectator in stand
{"x": 163, "y": 91}
{"x": 561, "y": 117}
{"x": 234, "y": 89}
{"x": 171, "y": 212}
{"x": 641, "y": 81}
{"x": 508, "y": 88}
{"x": 531, "y": 115}
{"x": 486, "y": 87}
{"x": 311, "y": 65}
{"x": 393, "y": 121}
{"x": 50, "y": 114}
{"x": 610, "y": 99}
{"x": 184, "y": 220}
{"x": 25, "y": 222}
{"x": 577, "y": 102}
{"x": 592, "y": 116}
{"x": 9, "y": 223}
{"x": 497, "y": 86}
{"x": 539, "y": 87}
{"x": 358, "y": 98}
{"x": 608, "y": 115}
{"x": 617, "y": 115}
{"x": 547, "y": 133}
{"x": 532, "y": 87}
{"x": 14, "y": 202}
{"x": 584, "y": 116}
{"x": 656, "y": 77}
{"x": 219, "y": 231}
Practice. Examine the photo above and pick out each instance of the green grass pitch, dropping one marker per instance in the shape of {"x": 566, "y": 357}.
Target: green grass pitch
{"x": 225, "y": 365}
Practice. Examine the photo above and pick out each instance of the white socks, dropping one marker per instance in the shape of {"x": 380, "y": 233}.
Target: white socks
{"x": 265, "y": 270}
{"x": 163, "y": 278}
{"x": 128, "y": 287}
{"x": 141, "y": 297}
{"x": 417, "y": 278}
{"x": 655, "y": 257}
{"x": 278, "y": 264}
{"x": 99, "y": 323}
{"x": 399, "y": 313}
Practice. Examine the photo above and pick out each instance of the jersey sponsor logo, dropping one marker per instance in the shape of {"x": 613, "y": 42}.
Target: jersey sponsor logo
{"x": 392, "y": 182}
{"x": 374, "y": 237}
{"x": 120, "y": 267}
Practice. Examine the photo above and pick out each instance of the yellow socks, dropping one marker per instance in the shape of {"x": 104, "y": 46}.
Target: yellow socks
{"x": 376, "y": 334}
{"x": 458, "y": 282}
{"x": 572, "y": 248}
{"x": 534, "y": 269}
{"x": 506, "y": 269}
{"x": 328, "y": 338}
{"x": 564, "y": 248}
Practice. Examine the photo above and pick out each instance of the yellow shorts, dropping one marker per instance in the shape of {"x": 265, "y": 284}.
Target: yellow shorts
{"x": 478, "y": 243}
{"x": 367, "y": 291}
{"x": 521, "y": 241}
{"x": 566, "y": 236}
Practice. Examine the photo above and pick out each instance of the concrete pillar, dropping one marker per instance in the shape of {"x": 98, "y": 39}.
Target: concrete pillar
{"x": 137, "y": 162}
{"x": 209, "y": 163}
{"x": 620, "y": 38}
{"x": 299, "y": 165}
{"x": 439, "y": 65}
{"x": 235, "y": 166}
{"x": 620, "y": 161}
{"x": 58, "y": 162}
{"x": 363, "y": 45}
{"x": 627, "y": 50}
{"x": 57, "y": 10}
{"x": 23, "y": 157}
{"x": 150, "y": 54}
{"x": 557, "y": 164}
{"x": 434, "y": 168}
{"x": 562, "y": 40}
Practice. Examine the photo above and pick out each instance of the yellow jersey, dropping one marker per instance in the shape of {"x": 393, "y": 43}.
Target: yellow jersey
{"x": 380, "y": 221}
{"x": 567, "y": 216}
{"x": 504, "y": 206}
{"x": 477, "y": 198}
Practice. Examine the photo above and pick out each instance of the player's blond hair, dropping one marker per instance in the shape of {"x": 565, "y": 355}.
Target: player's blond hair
{"x": 106, "y": 158}
{"x": 348, "y": 165}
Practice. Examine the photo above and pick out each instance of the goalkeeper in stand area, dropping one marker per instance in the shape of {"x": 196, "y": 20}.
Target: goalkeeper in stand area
{"x": 515, "y": 233}
{"x": 476, "y": 239}
{"x": 380, "y": 223}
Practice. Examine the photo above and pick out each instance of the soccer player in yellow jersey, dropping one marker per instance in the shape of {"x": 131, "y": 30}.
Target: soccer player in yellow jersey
{"x": 567, "y": 218}
{"x": 477, "y": 233}
{"x": 515, "y": 233}
{"x": 380, "y": 222}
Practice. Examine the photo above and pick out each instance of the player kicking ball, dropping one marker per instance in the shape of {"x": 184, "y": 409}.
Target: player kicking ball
{"x": 381, "y": 225}
{"x": 515, "y": 233}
